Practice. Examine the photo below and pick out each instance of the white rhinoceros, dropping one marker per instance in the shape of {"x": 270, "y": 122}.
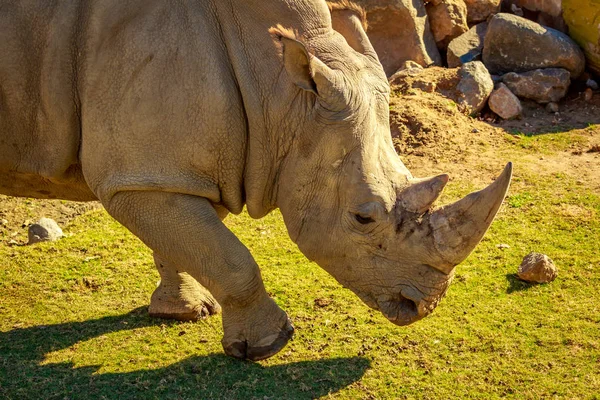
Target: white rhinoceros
{"x": 174, "y": 113}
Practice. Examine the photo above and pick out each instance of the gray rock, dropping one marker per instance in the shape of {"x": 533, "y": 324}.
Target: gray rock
{"x": 467, "y": 47}
{"x": 538, "y": 268}
{"x": 592, "y": 84}
{"x": 399, "y": 31}
{"x": 45, "y": 230}
{"x": 504, "y": 103}
{"x": 515, "y": 9}
{"x": 475, "y": 86}
{"x": 544, "y": 12}
{"x": 448, "y": 20}
{"x": 542, "y": 85}
{"x": 515, "y": 44}
{"x": 480, "y": 10}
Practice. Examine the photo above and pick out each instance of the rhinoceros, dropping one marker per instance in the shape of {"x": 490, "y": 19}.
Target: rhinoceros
{"x": 175, "y": 113}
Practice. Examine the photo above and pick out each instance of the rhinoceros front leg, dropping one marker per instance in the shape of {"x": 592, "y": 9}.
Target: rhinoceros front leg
{"x": 187, "y": 232}
{"x": 179, "y": 296}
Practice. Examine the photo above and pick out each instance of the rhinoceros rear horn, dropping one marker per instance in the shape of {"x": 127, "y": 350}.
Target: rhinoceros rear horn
{"x": 458, "y": 227}
{"x": 420, "y": 196}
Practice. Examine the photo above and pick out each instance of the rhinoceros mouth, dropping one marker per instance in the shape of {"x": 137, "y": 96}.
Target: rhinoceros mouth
{"x": 399, "y": 309}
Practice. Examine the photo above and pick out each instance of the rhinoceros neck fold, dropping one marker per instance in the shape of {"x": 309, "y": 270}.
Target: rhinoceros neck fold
{"x": 275, "y": 109}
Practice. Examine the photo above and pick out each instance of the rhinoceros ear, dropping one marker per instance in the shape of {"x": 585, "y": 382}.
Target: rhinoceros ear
{"x": 296, "y": 58}
{"x": 304, "y": 69}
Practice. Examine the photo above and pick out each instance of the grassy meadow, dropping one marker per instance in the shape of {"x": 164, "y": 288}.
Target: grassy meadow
{"x": 73, "y": 320}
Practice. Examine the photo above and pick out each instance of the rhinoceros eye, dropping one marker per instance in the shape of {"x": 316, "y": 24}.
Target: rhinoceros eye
{"x": 361, "y": 219}
{"x": 368, "y": 213}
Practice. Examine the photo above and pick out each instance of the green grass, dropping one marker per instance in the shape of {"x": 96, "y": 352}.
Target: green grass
{"x": 551, "y": 143}
{"x": 73, "y": 322}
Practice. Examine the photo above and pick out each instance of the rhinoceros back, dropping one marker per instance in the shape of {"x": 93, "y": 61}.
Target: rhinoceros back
{"x": 102, "y": 96}
{"x": 39, "y": 123}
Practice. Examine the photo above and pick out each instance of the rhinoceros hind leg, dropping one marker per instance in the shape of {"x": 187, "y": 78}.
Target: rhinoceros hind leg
{"x": 179, "y": 296}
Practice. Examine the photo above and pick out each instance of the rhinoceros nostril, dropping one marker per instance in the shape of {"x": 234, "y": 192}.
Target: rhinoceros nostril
{"x": 399, "y": 309}
{"x": 409, "y": 307}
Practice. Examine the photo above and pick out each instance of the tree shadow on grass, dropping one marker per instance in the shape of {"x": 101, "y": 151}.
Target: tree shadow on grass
{"x": 517, "y": 285}
{"x": 203, "y": 377}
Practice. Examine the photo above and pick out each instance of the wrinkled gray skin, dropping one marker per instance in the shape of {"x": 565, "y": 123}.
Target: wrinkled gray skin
{"x": 173, "y": 114}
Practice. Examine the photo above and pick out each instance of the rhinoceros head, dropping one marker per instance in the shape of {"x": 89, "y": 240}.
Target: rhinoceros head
{"x": 347, "y": 199}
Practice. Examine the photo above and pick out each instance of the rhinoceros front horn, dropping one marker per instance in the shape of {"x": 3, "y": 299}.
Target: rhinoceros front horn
{"x": 458, "y": 227}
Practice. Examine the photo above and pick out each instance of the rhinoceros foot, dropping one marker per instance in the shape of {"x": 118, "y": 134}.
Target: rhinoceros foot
{"x": 186, "y": 301}
{"x": 262, "y": 333}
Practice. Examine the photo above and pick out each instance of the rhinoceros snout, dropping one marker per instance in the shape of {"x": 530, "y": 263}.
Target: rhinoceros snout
{"x": 401, "y": 310}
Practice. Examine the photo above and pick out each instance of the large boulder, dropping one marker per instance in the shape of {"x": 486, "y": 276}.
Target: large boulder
{"x": 550, "y": 7}
{"x": 475, "y": 87}
{"x": 542, "y": 85}
{"x": 467, "y": 47}
{"x": 448, "y": 20}
{"x": 399, "y": 31}
{"x": 480, "y": 10}
{"x": 580, "y": 16}
{"x": 504, "y": 103}
{"x": 515, "y": 44}
{"x": 544, "y": 12}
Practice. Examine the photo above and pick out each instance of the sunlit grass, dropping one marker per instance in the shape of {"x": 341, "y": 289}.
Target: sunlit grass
{"x": 73, "y": 322}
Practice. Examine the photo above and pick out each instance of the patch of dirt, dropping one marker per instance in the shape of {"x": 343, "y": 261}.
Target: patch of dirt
{"x": 433, "y": 136}
{"x": 16, "y": 214}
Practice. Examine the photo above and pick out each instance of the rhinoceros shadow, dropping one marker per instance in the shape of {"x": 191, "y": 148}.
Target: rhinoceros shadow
{"x": 23, "y": 375}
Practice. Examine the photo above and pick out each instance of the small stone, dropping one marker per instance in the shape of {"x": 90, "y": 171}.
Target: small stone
{"x": 592, "y": 84}
{"x": 504, "y": 103}
{"x": 542, "y": 85}
{"x": 12, "y": 242}
{"x": 515, "y": 9}
{"x": 588, "y": 94}
{"x": 408, "y": 68}
{"x": 538, "y": 268}
{"x": 45, "y": 230}
{"x": 322, "y": 302}
{"x": 474, "y": 130}
{"x": 410, "y": 64}
{"x": 503, "y": 246}
{"x": 3, "y": 222}
{"x": 552, "y": 108}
